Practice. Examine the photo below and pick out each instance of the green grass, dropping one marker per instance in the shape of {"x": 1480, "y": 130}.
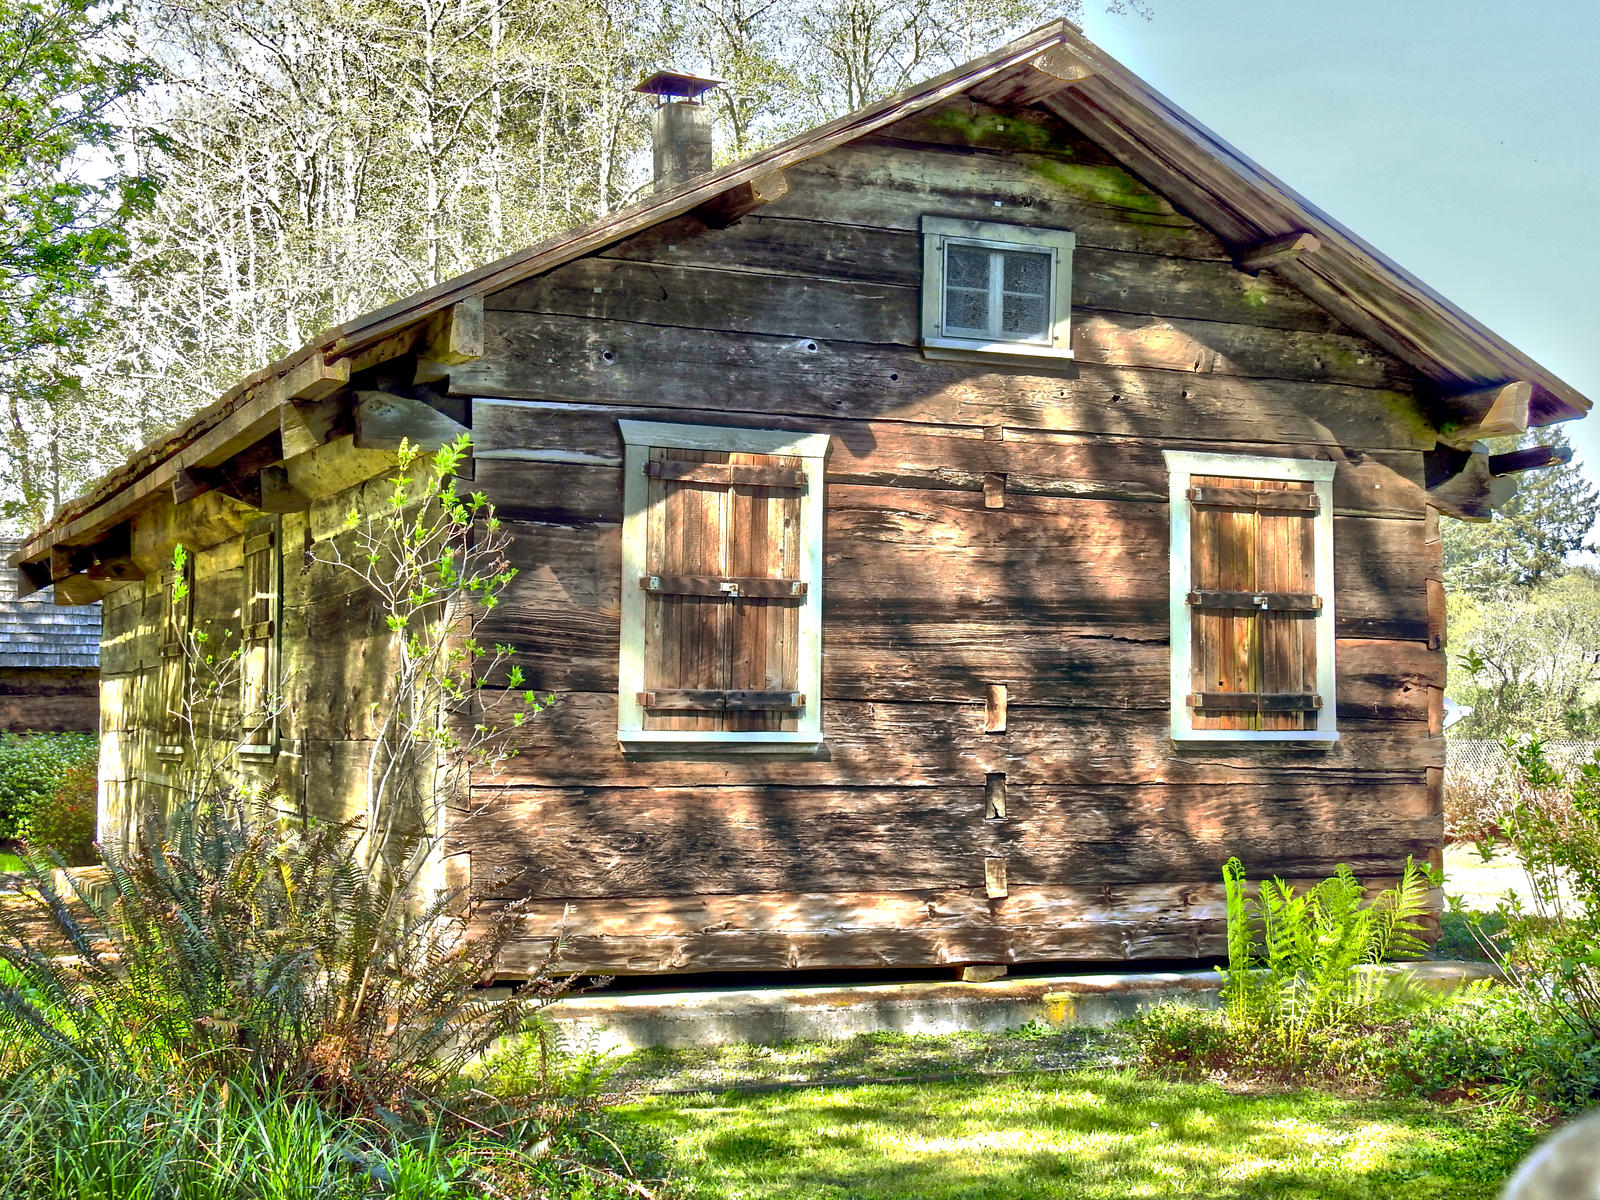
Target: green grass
{"x": 1083, "y": 1136}
{"x": 874, "y": 1056}
{"x": 10, "y": 864}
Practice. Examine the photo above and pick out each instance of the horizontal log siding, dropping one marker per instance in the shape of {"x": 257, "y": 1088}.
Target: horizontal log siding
{"x": 870, "y": 851}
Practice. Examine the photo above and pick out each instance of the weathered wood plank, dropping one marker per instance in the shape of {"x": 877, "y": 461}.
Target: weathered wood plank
{"x": 1099, "y": 201}
{"x": 1104, "y": 281}
{"x": 875, "y": 312}
{"x": 551, "y": 357}
{"x": 574, "y": 743}
{"x": 790, "y": 931}
{"x": 556, "y": 843}
{"x": 543, "y": 443}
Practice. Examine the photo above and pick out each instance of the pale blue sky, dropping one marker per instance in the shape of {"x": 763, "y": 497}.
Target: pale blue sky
{"x": 1460, "y": 138}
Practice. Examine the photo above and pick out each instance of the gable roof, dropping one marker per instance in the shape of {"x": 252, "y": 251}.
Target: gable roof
{"x": 1056, "y": 67}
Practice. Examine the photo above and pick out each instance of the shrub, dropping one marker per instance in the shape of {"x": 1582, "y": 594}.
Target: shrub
{"x": 1490, "y": 1045}
{"x": 1177, "y": 1039}
{"x": 32, "y": 768}
{"x": 226, "y": 946}
{"x": 1304, "y": 993}
{"x": 64, "y": 825}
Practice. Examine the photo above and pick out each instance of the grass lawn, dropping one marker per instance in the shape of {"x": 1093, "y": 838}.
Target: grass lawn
{"x": 10, "y": 864}
{"x": 1085, "y": 1133}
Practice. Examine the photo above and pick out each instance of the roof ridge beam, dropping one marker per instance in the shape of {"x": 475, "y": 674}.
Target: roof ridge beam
{"x": 1043, "y": 75}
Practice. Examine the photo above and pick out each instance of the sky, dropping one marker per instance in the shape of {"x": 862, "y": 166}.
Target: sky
{"x": 1460, "y": 138}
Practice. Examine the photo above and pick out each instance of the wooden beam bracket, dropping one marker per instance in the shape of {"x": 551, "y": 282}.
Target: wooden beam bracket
{"x": 1276, "y": 252}
{"x": 454, "y": 335}
{"x": 1499, "y": 411}
{"x": 1461, "y": 484}
{"x": 743, "y": 199}
{"x": 384, "y": 421}
{"x": 1534, "y": 458}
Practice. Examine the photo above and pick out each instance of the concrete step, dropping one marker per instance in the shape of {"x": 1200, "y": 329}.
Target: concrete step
{"x": 767, "y": 1016}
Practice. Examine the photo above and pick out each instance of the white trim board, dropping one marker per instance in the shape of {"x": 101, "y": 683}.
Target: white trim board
{"x": 639, "y": 437}
{"x": 1181, "y": 466}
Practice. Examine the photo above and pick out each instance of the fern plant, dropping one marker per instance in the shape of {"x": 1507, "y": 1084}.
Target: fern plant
{"x": 1300, "y": 963}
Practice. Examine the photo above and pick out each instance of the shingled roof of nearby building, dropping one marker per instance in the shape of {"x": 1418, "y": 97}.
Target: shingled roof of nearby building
{"x": 36, "y": 632}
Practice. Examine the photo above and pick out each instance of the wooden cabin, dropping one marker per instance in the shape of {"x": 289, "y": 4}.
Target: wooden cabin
{"x": 49, "y": 660}
{"x": 949, "y": 536}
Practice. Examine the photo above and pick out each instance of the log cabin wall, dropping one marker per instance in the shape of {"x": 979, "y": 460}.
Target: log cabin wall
{"x": 326, "y": 638}
{"x": 997, "y": 782}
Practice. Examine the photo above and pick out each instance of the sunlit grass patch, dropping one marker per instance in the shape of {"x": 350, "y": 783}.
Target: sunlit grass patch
{"x": 1082, "y": 1135}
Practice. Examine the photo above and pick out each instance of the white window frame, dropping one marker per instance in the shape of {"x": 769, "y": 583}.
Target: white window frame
{"x": 639, "y": 438}
{"x": 939, "y": 232}
{"x": 1181, "y": 467}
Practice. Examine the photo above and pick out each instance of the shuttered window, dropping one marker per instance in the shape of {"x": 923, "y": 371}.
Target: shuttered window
{"x": 177, "y": 591}
{"x": 1252, "y": 598}
{"x": 721, "y": 587}
{"x": 990, "y": 289}
{"x": 259, "y": 619}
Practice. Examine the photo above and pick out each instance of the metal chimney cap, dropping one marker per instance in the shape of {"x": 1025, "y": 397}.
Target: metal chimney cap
{"x": 676, "y": 85}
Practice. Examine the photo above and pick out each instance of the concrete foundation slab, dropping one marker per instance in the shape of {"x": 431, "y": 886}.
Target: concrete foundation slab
{"x": 767, "y": 1016}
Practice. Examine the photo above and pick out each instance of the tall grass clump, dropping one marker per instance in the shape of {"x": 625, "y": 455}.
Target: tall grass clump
{"x": 237, "y": 1012}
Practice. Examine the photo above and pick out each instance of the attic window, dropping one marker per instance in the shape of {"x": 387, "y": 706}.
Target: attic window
{"x": 721, "y": 589}
{"x": 991, "y": 289}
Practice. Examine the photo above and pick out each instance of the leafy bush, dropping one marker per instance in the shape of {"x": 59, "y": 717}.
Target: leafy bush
{"x": 1303, "y": 963}
{"x": 64, "y": 824}
{"x": 32, "y": 768}
{"x": 1491, "y": 1045}
{"x": 1475, "y": 805}
{"x": 1554, "y": 944}
{"x": 242, "y": 991}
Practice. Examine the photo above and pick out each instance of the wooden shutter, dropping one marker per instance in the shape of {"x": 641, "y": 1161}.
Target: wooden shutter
{"x": 1253, "y": 607}
{"x": 258, "y": 617}
{"x": 176, "y": 614}
{"x": 722, "y": 591}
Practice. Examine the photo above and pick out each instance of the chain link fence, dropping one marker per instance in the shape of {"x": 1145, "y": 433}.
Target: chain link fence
{"x": 1477, "y": 782}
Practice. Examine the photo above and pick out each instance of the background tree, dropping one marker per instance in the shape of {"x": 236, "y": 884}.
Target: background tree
{"x": 1530, "y": 658}
{"x": 1527, "y": 541}
{"x": 65, "y": 197}
{"x": 324, "y": 157}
